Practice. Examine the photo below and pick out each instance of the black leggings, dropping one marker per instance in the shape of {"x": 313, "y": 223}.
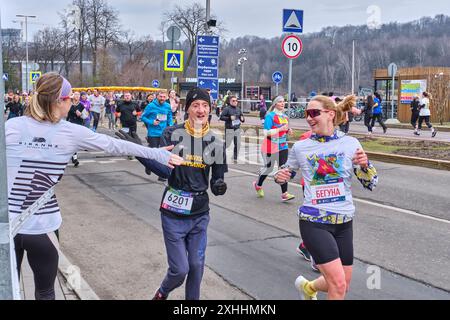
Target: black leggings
{"x": 153, "y": 142}
{"x": 328, "y": 242}
{"x": 427, "y": 122}
{"x": 269, "y": 160}
{"x": 43, "y": 259}
{"x": 379, "y": 118}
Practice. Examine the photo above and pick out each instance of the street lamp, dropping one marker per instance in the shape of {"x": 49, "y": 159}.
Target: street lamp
{"x": 26, "y": 44}
{"x": 241, "y": 61}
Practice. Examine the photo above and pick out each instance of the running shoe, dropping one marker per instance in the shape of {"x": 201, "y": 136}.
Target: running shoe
{"x": 159, "y": 296}
{"x": 433, "y": 134}
{"x": 416, "y": 133}
{"x": 162, "y": 179}
{"x": 313, "y": 265}
{"x": 287, "y": 196}
{"x": 300, "y": 284}
{"x": 301, "y": 249}
{"x": 259, "y": 190}
{"x": 384, "y": 130}
{"x": 148, "y": 171}
{"x": 76, "y": 163}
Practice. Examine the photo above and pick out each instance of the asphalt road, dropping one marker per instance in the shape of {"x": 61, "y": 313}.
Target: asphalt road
{"x": 112, "y": 230}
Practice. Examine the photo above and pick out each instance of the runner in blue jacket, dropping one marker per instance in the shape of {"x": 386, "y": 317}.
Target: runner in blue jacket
{"x": 157, "y": 116}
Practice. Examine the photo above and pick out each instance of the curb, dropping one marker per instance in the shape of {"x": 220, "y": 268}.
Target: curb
{"x": 68, "y": 271}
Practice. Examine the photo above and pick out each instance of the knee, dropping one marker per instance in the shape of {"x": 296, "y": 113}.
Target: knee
{"x": 180, "y": 272}
{"x": 196, "y": 265}
{"x": 338, "y": 285}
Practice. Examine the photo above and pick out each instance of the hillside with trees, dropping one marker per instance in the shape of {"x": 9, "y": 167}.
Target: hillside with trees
{"x": 118, "y": 56}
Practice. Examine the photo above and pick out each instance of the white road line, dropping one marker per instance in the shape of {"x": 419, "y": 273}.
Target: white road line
{"x": 87, "y": 161}
{"x": 412, "y": 213}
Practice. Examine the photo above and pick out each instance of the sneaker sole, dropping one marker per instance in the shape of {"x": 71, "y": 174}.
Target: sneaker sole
{"x": 286, "y": 200}
{"x": 300, "y": 252}
{"x": 257, "y": 194}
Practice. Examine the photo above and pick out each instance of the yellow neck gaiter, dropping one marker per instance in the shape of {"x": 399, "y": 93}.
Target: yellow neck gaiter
{"x": 196, "y": 133}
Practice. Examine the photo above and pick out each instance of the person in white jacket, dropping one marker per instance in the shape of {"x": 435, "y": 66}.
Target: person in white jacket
{"x": 38, "y": 147}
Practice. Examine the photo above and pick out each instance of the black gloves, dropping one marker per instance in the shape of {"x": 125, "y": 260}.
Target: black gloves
{"x": 131, "y": 137}
{"x": 219, "y": 187}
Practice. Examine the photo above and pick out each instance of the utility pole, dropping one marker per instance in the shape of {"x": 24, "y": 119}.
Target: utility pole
{"x": 353, "y": 66}
{"x": 26, "y": 45}
{"x": 9, "y": 285}
{"x": 208, "y": 15}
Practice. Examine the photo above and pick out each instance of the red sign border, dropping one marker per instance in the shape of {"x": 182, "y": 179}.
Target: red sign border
{"x": 301, "y": 46}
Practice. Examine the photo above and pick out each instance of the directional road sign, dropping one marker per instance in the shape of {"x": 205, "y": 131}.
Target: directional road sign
{"x": 5, "y": 77}
{"x": 208, "y": 64}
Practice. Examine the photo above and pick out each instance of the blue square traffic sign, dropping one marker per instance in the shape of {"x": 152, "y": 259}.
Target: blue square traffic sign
{"x": 292, "y": 20}
{"x": 207, "y": 62}
{"x": 212, "y": 84}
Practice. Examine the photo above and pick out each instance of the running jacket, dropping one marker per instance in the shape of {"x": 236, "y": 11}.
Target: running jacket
{"x": 274, "y": 143}
{"x": 327, "y": 168}
{"x": 37, "y": 155}
{"x": 201, "y": 156}
{"x": 425, "y": 107}
{"x": 162, "y": 112}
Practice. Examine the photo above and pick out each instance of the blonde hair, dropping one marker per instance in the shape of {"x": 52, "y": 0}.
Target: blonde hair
{"x": 43, "y": 103}
{"x": 340, "y": 109}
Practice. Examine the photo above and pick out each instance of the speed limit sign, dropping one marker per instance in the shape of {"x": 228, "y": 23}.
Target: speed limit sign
{"x": 292, "y": 46}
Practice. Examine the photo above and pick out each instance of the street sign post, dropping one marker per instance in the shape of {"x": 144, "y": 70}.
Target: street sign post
{"x": 292, "y": 47}
{"x": 277, "y": 77}
{"x": 208, "y": 64}
{"x": 292, "y": 21}
{"x": 174, "y": 60}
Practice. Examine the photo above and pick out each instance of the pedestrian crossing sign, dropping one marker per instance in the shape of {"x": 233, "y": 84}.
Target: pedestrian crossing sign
{"x": 173, "y": 60}
{"x": 34, "y": 76}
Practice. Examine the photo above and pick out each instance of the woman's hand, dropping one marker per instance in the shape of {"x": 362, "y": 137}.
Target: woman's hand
{"x": 282, "y": 176}
{"x": 360, "y": 158}
{"x": 175, "y": 160}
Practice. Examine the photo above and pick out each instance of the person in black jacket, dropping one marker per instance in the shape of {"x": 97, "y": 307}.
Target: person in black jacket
{"x": 185, "y": 201}
{"x": 128, "y": 110}
{"x": 75, "y": 115}
{"x": 233, "y": 118}
{"x": 415, "y": 110}
{"x": 15, "y": 107}
{"x": 368, "y": 113}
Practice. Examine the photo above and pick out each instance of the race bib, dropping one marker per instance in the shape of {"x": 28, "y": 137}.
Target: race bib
{"x": 236, "y": 122}
{"x": 162, "y": 117}
{"x": 332, "y": 191}
{"x": 126, "y": 130}
{"x": 178, "y": 201}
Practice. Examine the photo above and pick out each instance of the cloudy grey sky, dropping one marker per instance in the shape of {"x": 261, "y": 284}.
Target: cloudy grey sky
{"x": 261, "y": 18}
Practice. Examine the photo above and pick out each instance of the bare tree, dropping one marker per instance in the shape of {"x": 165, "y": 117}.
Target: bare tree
{"x": 68, "y": 42}
{"x": 47, "y": 47}
{"x": 191, "y": 20}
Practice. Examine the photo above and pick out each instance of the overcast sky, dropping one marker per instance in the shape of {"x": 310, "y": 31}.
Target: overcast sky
{"x": 261, "y": 18}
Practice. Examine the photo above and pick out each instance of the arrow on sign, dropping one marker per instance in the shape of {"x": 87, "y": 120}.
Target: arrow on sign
{"x": 201, "y": 61}
{"x": 202, "y": 83}
{"x": 201, "y": 40}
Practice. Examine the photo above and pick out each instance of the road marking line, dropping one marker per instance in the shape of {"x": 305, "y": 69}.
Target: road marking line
{"x": 412, "y": 213}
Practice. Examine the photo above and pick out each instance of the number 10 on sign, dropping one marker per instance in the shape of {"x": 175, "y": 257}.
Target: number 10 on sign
{"x": 292, "y": 46}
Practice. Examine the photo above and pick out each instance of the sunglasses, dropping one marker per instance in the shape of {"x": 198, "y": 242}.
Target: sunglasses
{"x": 314, "y": 112}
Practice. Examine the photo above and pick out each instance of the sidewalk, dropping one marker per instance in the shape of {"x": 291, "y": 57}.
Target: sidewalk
{"x": 62, "y": 291}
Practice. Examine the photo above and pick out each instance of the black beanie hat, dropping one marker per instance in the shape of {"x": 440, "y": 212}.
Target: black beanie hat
{"x": 197, "y": 94}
